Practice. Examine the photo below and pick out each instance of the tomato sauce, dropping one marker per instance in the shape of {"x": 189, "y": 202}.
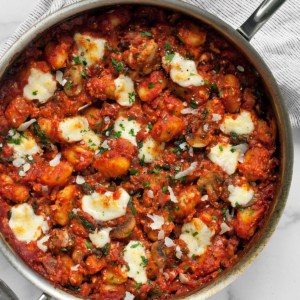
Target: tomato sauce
{"x": 146, "y": 126}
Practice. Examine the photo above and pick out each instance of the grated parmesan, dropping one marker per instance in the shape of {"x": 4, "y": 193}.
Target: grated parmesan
{"x": 189, "y": 110}
{"x": 158, "y": 221}
{"x": 187, "y": 171}
{"x": 55, "y": 161}
{"x": 173, "y": 198}
{"x": 26, "y": 125}
{"x": 169, "y": 243}
{"x": 80, "y": 180}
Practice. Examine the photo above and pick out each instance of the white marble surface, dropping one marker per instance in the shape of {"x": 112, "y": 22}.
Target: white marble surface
{"x": 275, "y": 274}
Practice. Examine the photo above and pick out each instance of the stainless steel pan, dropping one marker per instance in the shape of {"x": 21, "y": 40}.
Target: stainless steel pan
{"x": 240, "y": 38}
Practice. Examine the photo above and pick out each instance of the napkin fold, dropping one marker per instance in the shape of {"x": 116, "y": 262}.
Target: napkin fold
{"x": 278, "y": 41}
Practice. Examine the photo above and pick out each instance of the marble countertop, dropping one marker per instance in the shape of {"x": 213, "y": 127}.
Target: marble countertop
{"x": 274, "y": 274}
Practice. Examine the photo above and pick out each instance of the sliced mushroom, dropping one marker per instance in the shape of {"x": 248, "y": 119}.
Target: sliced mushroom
{"x": 158, "y": 255}
{"x": 125, "y": 228}
{"x": 74, "y": 84}
{"x": 210, "y": 182}
{"x": 198, "y": 139}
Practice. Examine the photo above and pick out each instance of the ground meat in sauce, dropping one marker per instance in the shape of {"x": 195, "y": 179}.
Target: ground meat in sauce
{"x": 154, "y": 187}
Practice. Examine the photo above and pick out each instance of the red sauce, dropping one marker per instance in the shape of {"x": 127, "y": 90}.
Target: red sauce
{"x": 184, "y": 122}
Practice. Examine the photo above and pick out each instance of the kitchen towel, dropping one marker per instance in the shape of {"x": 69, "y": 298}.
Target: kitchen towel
{"x": 278, "y": 41}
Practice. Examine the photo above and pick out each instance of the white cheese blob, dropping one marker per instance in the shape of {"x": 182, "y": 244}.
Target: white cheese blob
{"x": 41, "y": 243}
{"x": 41, "y": 86}
{"x": 100, "y": 237}
{"x": 184, "y": 71}
{"x": 25, "y": 224}
{"x": 240, "y": 123}
{"x": 124, "y": 93}
{"x": 128, "y": 296}
{"x": 73, "y": 129}
{"x": 107, "y": 206}
{"x": 127, "y": 129}
{"x": 23, "y": 145}
{"x": 91, "y": 139}
{"x": 91, "y": 50}
{"x": 240, "y": 195}
{"x": 224, "y": 156}
{"x": 197, "y": 236}
{"x": 150, "y": 150}
{"x": 157, "y": 220}
{"x": 134, "y": 256}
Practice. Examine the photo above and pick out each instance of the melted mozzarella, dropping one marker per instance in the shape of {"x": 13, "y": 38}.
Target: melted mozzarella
{"x": 150, "y": 150}
{"x": 224, "y": 156}
{"x": 25, "y": 146}
{"x": 240, "y": 195}
{"x": 197, "y": 236}
{"x": 127, "y": 129}
{"x": 134, "y": 253}
{"x": 90, "y": 49}
{"x": 41, "y": 86}
{"x": 124, "y": 93}
{"x": 184, "y": 72}
{"x": 91, "y": 139}
{"x": 73, "y": 129}
{"x": 100, "y": 238}
{"x": 107, "y": 206}
{"x": 240, "y": 124}
{"x": 25, "y": 224}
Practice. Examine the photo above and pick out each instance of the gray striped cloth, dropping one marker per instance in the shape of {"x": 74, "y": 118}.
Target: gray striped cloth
{"x": 278, "y": 42}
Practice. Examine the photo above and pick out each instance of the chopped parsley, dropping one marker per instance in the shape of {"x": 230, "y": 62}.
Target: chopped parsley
{"x": 133, "y": 210}
{"x": 193, "y": 104}
{"x": 135, "y": 245}
{"x": 34, "y": 93}
{"x": 131, "y": 132}
{"x": 133, "y": 172}
{"x": 88, "y": 245}
{"x": 155, "y": 171}
{"x": 221, "y": 93}
{"x": 77, "y": 60}
{"x": 221, "y": 148}
{"x": 195, "y": 233}
{"x": 150, "y": 126}
{"x": 169, "y": 57}
{"x": 214, "y": 217}
{"x": 146, "y": 33}
{"x": 69, "y": 85}
{"x": 144, "y": 262}
{"x": 117, "y": 65}
{"x": 168, "y": 47}
{"x": 117, "y": 134}
{"x": 83, "y": 75}
{"x": 131, "y": 97}
{"x": 151, "y": 85}
{"x": 86, "y": 224}
{"x": 146, "y": 184}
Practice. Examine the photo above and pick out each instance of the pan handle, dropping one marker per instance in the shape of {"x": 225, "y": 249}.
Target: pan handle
{"x": 261, "y": 15}
{"x": 44, "y": 297}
